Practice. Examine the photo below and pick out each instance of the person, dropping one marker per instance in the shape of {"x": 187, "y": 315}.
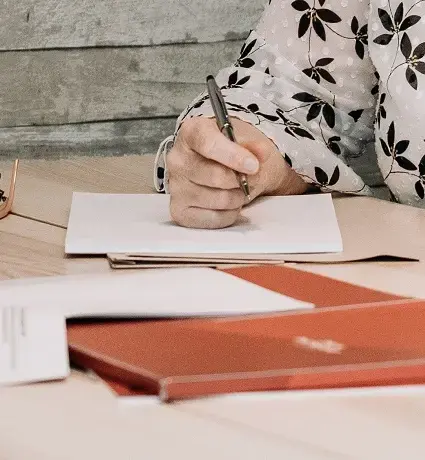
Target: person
{"x": 317, "y": 84}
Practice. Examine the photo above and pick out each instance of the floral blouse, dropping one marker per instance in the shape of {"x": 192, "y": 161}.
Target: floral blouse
{"x": 327, "y": 80}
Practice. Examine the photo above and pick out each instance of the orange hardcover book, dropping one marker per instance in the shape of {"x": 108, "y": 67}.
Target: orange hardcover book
{"x": 121, "y": 389}
{"x": 319, "y": 290}
{"x": 360, "y": 345}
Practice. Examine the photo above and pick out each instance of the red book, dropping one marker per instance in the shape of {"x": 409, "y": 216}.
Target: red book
{"x": 378, "y": 341}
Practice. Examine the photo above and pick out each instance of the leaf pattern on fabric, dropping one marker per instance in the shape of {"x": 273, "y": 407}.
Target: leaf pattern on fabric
{"x": 316, "y": 114}
{"x": 381, "y": 113}
{"x": 3, "y": 197}
{"x": 395, "y": 150}
{"x": 323, "y": 179}
{"x": 420, "y": 184}
{"x": 317, "y": 107}
{"x": 314, "y": 18}
{"x": 318, "y": 71}
{"x": 393, "y": 25}
{"x": 396, "y": 25}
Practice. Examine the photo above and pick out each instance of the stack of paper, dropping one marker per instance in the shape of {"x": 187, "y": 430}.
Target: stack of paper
{"x": 138, "y": 228}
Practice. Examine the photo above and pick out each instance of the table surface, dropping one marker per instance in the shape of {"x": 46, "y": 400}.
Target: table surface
{"x": 81, "y": 418}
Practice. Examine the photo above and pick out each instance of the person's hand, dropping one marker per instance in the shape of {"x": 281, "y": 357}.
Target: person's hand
{"x": 203, "y": 186}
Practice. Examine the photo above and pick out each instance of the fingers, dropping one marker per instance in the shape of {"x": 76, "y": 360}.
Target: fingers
{"x": 194, "y": 195}
{"x": 203, "y": 218}
{"x": 203, "y": 137}
{"x": 200, "y": 170}
{"x": 204, "y": 188}
{"x": 196, "y": 206}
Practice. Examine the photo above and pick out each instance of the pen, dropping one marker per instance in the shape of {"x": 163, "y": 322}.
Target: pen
{"x": 223, "y": 122}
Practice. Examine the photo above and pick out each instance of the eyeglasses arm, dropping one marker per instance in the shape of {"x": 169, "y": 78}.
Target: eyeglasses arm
{"x": 6, "y": 207}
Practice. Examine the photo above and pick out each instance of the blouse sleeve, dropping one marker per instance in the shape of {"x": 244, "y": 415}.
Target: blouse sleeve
{"x": 397, "y": 48}
{"x": 304, "y": 78}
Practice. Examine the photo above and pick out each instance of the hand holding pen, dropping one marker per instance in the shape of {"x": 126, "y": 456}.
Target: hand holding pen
{"x": 210, "y": 175}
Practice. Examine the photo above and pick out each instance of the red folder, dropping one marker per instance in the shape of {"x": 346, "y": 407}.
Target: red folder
{"x": 322, "y": 348}
{"x": 378, "y": 341}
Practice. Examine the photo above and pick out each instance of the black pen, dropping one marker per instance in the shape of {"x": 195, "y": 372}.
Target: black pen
{"x": 223, "y": 122}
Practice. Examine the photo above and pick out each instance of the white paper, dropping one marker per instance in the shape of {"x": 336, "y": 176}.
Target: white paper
{"x": 112, "y": 223}
{"x": 178, "y": 292}
{"x": 33, "y": 345}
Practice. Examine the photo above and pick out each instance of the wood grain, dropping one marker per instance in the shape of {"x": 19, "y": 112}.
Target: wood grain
{"x": 114, "y": 138}
{"x": 29, "y": 248}
{"x": 74, "y": 86}
{"x": 44, "y": 188}
{"x": 35, "y": 24}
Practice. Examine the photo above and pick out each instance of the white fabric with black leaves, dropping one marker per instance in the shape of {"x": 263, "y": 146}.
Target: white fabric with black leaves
{"x": 324, "y": 79}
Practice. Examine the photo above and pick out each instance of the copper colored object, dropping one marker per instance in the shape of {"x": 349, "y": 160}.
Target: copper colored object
{"x": 6, "y": 207}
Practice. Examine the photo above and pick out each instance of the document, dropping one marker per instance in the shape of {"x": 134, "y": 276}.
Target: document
{"x": 119, "y": 223}
{"x": 178, "y": 292}
{"x": 33, "y": 344}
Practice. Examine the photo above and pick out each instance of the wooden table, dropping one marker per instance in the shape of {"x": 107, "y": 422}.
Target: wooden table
{"x": 81, "y": 419}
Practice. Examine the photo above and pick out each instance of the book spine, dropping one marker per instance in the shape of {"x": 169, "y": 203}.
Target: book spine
{"x": 175, "y": 389}
{"x": 113, "y": 371}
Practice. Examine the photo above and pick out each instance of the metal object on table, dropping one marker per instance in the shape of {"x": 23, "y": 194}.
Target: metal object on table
{"x": 6, "y": 206}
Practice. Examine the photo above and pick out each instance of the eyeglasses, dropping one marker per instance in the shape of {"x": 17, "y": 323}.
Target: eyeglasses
{"x": 6, "y": 206}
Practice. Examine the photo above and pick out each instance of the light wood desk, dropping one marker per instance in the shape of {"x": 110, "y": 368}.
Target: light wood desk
{"x": 44, "y": 188}
{"x": 81, "y": 419}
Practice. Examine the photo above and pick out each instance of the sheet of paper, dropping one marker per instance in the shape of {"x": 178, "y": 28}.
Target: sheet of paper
{"x": 112, "y": 223}
{"x": 178, "y": 292}
{"x": 33, "y": 345}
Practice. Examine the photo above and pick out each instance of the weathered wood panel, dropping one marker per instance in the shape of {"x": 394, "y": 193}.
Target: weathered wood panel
{"x": 116, "y": 138}
{"x": 88, "y": 139}
{"x": 70, "y": 86}
{"x": 33, "y": 24}
{"x": 97, "y": 86}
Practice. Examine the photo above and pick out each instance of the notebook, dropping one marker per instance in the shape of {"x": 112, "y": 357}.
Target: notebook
{"x": 307, "y": 287}
{"x": 302, "y": 286}
{"x": 113, "y": 223}
{"x": 321, "y": 348}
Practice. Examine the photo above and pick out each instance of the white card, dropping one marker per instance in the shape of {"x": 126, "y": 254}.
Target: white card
{"x": 178, "y": 292}
{"x": 111, "y": 223}
{"x": 33, "y": 345}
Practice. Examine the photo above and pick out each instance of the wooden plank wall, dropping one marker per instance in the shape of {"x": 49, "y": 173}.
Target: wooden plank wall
{"x": 108, "y": 77}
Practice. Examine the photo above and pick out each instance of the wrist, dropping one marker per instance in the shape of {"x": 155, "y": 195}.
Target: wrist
{"x": 287, "y": 181}
{"x": 292, "y": 184}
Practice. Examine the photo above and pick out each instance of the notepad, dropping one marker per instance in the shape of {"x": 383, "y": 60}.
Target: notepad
{"x": 129, "y": 223}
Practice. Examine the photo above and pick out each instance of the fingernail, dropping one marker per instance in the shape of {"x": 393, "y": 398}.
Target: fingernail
{"x": 250, "y": 164}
